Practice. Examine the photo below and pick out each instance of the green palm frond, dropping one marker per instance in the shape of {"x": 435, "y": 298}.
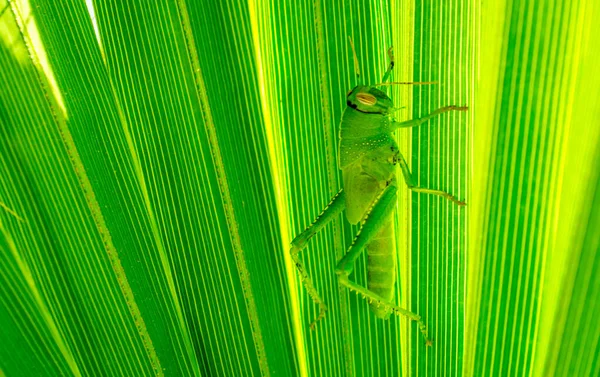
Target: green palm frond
{"x": 157, "y": 158}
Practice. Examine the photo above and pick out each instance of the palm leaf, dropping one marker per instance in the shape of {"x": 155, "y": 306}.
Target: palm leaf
{"x": 157, "y": 158}
{"x": 533, "y": 254}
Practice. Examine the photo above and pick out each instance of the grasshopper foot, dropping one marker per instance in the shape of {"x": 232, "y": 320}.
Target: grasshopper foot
{"x": 321, "y": 316}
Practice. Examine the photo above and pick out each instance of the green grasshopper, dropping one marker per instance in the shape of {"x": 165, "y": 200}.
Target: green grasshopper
{"x": 368, "y": 156}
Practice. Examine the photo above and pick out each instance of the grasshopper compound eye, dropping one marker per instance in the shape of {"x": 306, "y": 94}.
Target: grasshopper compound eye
{"x": 366, "y": 99}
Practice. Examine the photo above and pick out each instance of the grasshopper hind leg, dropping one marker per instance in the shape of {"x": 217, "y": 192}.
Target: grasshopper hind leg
{"x": 373, "y": 298}
{"x": 377, "y": 217}
{"x": 335, "y": 206}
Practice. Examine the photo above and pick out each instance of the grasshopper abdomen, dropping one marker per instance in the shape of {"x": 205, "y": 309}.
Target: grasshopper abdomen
{"x": 381, "y": 267}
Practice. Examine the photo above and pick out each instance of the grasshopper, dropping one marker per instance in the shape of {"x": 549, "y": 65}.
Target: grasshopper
{"x": 368, "y": 156}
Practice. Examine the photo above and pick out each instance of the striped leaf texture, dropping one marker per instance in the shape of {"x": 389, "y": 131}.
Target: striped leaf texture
{"x": 158, "y": 157}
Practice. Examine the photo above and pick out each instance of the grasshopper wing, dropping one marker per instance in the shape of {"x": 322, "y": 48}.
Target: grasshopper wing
{"x": 361, "y": 190}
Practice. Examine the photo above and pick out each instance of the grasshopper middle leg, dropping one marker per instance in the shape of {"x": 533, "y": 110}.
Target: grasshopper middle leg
{"x": 404, "y": 166}
{"x": 378, "y": 216}
{"x": 408, "y": 178}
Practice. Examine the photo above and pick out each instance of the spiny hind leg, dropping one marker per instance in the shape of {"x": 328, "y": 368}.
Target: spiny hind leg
{"x": 335, "y": 206}
{"x": 408, "y": 178}
{"x": 377, "y": 217}
{"x": 372, "y": 297}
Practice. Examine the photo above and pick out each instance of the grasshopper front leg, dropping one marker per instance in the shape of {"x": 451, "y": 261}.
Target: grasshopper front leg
{"x": 393, "y": 125}
{"x": 410, "y": 182}
{"x": 382, "y": 209}
{"x": 335, "y": 206}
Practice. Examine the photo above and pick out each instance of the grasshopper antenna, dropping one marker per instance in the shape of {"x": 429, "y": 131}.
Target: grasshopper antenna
{"x": 388, "y": 73}
{"x": 356, "y": 67}
{"x": 406, "y": 83}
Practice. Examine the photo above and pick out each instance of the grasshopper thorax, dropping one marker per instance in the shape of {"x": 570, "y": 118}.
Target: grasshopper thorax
{"x": 368, "y": 99}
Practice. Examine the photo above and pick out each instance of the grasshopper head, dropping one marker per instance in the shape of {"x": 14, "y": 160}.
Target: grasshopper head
{"x": 368, "y": 99}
